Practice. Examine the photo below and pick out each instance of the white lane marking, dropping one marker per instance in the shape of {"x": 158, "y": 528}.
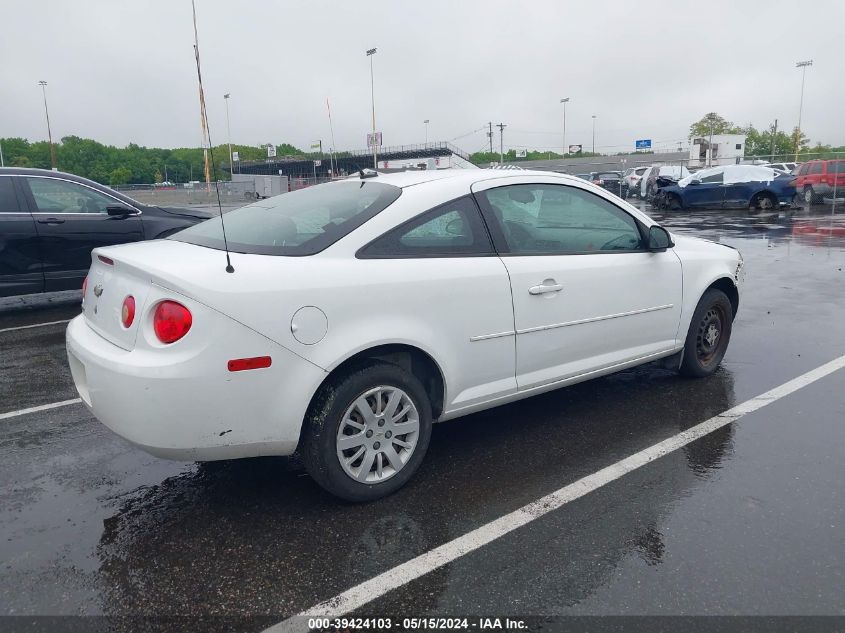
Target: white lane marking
{"x": 41, "y": 407}
{"x": 26, "y": 327}
{"x": 376, "y": 587}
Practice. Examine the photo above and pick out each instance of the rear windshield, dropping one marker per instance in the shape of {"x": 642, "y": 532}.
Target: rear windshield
{"x": 302, "y": 222}
{"x": 608, "y": 175}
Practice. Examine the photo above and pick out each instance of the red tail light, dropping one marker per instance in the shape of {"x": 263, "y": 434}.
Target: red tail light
{"x": 171, "y": 321}
{"x": 597, "y": 182}
{"x": 127, "y": 314}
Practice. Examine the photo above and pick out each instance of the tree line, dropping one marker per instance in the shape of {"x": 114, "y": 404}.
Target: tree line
{"x": 757, "y": 143}
{"x": 133, "y": 164}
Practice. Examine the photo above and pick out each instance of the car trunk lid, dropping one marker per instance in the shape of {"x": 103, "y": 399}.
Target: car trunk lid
{"x": 110, "y": 282}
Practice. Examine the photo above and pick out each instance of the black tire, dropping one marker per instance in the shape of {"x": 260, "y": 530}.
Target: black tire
{"x": 322, "y": 422}
{"x": 764, "y": 202}
{"x": 674, "y": 202}
{"x": 702, "y": 355}
{"x": 810, "y": 196}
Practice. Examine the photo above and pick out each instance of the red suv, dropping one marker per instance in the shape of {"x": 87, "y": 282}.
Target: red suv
{"x": 816, "y": 179}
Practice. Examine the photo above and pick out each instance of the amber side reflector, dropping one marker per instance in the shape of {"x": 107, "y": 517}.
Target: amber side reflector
{"x": 106, "y": 260}
{"x": 242, "y": 364}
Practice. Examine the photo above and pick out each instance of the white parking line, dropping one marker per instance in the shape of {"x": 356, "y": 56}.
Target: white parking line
{"x": 26, "y": 327}
{"x": 41, "y": 407}
{"x": 376, "y": 587}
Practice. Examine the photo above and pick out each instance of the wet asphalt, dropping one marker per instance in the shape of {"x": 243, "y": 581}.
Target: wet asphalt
{"x": 748, "y": 520}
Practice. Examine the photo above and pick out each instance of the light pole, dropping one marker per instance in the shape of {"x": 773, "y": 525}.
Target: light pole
{"x": 370, "y": 54}
{"x": 803, "y": 66}
{"x": 229, "y": 135}
{"x": 2, "y": 164}
{"x": 43, "y": 85}
{"x": 564, "y": 102}
{"x": 426, "y": 130}
{"x": 594, "y": 134}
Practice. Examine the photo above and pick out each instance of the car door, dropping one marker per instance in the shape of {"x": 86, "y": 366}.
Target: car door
{"x": 739, "y": 194}
{"x": 20, "y": 262}
{"x": 71, "y": 219}
{"x": 707, "y": 191}
{"x": 586, "y": 295}
{"x": 453, "y": 282}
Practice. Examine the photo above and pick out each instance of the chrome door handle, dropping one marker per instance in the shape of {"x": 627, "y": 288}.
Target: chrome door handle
{"x": 52, "y": 221}
{"x": 542, "y": 289}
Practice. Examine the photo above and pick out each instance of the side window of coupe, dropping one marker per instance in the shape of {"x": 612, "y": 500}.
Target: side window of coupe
{"x": 450, "y": 230}
{"x": 62, "y": 196}
{"x": 558, "y": 220}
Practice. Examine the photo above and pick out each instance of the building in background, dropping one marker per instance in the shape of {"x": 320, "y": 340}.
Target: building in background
{"x": 727, "y": 149}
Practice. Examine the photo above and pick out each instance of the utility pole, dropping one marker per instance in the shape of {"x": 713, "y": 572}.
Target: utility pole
{"x": 501, "y": 127}
{"x": 803, "y": 66}
{"x": 564, "y": 102}
{"x": 370, "y": 54}
{"x": 426, "y": 130}
{"x": 594, "y": 134}
{"x": 490, "y": 135}
{"x": 229, "y": 135}
{"x": 774, "y": 137}
{"x": 43, "y": 85}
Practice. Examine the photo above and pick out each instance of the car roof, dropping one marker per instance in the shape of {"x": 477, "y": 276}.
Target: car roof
{"x": 415, "y": 177}
{"x": 31, "y": 171}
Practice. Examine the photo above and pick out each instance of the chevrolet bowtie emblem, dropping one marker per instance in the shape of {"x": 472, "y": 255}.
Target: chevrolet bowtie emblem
{"x": 98, "y": 290}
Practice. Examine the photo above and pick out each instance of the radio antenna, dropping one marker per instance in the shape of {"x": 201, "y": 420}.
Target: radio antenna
{"x": 207, "y": 138}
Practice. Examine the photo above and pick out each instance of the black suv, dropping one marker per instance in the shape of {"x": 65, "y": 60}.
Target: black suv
{"x": 50, "y": 221}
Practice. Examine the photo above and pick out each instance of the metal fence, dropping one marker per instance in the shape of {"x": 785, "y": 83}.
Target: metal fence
{"x": 232, "y": 194}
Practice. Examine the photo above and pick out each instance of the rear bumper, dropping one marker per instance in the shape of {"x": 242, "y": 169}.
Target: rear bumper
{"x": 189, "y": 407}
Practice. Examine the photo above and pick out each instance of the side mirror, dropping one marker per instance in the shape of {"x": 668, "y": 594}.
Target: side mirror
{"x": 120, "y": 211}
{"x": 659, "y": 239}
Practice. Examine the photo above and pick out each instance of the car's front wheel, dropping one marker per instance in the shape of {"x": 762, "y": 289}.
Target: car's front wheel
{"x": 367, "y": 432}
{"x": 709, "y": 334}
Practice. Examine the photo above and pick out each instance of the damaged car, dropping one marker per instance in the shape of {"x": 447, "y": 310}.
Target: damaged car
{"x": 729, "y": 186}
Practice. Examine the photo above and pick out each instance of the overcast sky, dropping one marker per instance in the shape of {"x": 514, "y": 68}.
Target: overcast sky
{"x": 121, "y": 71}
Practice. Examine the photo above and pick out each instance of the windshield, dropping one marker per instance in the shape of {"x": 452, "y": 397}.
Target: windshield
{"x": 302, "y": 222}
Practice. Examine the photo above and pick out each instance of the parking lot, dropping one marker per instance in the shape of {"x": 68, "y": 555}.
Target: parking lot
{"x": 745, "y": 520}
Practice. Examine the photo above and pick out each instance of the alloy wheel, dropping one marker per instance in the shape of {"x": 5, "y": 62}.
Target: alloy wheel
{"x": 378, "y": 434}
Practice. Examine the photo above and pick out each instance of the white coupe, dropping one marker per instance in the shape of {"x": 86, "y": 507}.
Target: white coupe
{"x": 363, "y": 310}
